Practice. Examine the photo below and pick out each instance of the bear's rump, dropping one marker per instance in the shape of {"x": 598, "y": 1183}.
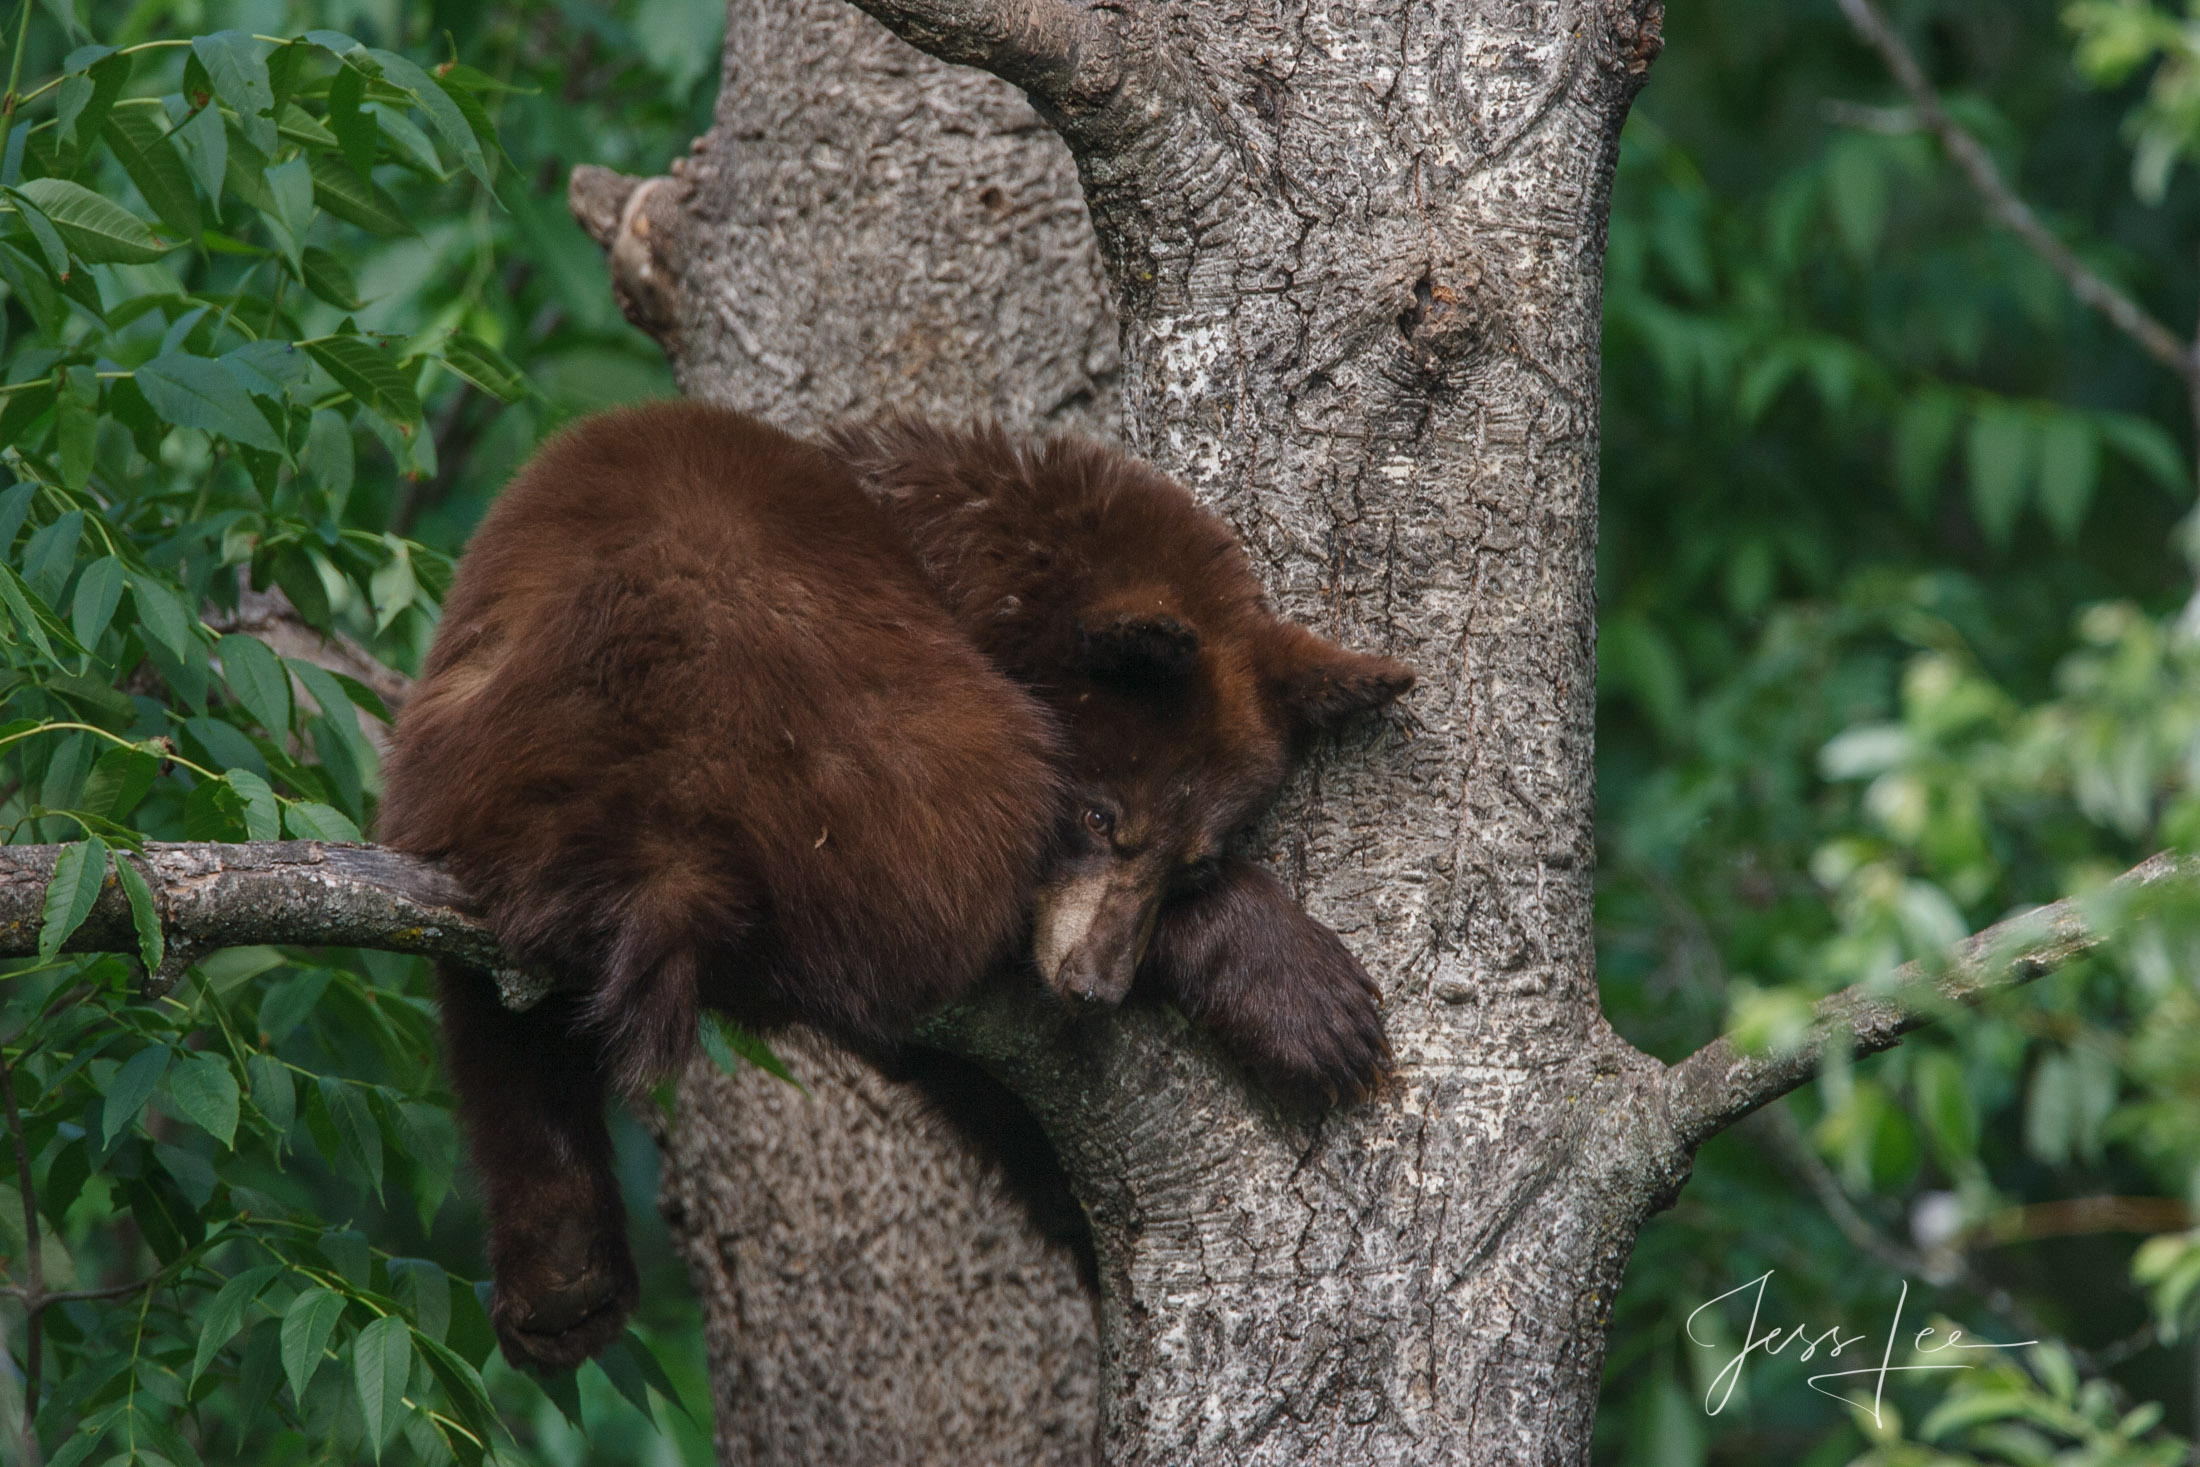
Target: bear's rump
{"x": 746, "y": 732}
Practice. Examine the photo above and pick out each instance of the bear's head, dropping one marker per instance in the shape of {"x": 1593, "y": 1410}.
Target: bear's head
{"x": 1182, "y": 727}
{"x": 1101, "y": 585}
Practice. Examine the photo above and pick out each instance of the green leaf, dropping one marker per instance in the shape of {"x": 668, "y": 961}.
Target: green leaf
{"x": 132, "y": 1086}
{"x": 199, "y": 392}
{"x": 356, "y": 1131}
{"x": 225, "y": 1316}
{"x": 392, "y": 587}
{"x": 99, "y": 231}
{"x": 77, "y": 877}
{"x": 353, "y": 1256}
{"x": 424, "y": 1289}
{"x": 1856, "y": 185}
{"x": 328, "y": 457}
{"x": 357, "y": 131}
{"x": 42, "y": 232}
{"x": 631, "y": 1367}
{"x": 1998, "y": 451}
{"x": 364, "y": 697}
{"x": 261, "y": 808}
{"x": 330, "y": 279}
{"x": 98, "y": 593}
{"x": 441, "y": 110}
{"x": 625, "y": 1374}
{"x": 144, "y": 913}
{"x": 274, "y": 1093}
{"x": 727, "y": 1042}
{"x": 239, "y": 73}
{"x": 68, "y": 107}
{"x": 161, "y": 614}
{"x": 311, "y": 820}
{"x": 34, "y": 287}
{"x": 462, "y": 1383}
{"x": 76, "y": 433}
{"x": 205, "y": 1091}
{"x": 212, "y": 811}
{"x": 356, "y": 199}
{"x": 51, "y": 555}
{"x": 119, "y": 779}
{"x": 30, "y": 613}
{"x": 565, "y": 1393}
{"x": 298, "y": 571}
{"x": 336, "y": 43}
{"x": 1945, "y": 1105}
{"x": 367, "y": 373}
{"x": 653, "y": 1371}
{"x": 15, "y": 507}
{"x": 2145, "y": 444}
{"x": 256, "y": 676}
{"x": 469, "y": 107}
{"x": 484, "y": 366}
{"x": 300, "y": 126}
{"x": 2069, "y": 468}
{"x": 225, "y": 745}
{"x": 139, "y": 139}
{"x": 381, "y": 1361}
{"x": 307, "y": 1325}
{"x": 204, "y": 143}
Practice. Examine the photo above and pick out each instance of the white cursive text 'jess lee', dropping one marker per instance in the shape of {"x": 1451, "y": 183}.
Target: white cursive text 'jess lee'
{"x": 1775, "y": 1341}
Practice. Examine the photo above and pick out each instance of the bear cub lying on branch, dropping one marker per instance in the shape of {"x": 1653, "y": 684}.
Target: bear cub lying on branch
{"x": 826, "y": 734}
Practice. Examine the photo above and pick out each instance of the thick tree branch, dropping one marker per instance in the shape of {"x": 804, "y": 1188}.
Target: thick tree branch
{"x": 305, "y": 893}
{"x": 1065, "y": 54}
{"x": 2122, "y": 311}
{"x": 1719, "y": 1084}
{"x": 616, "y": 212}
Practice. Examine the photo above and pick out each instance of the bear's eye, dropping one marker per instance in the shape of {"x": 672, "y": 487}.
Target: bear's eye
{"x": 1099, "y": 822}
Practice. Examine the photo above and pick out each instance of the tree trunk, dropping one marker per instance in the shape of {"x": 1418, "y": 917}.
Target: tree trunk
{"x": 1356, "y": 257}
{"x": 863, "y": 230}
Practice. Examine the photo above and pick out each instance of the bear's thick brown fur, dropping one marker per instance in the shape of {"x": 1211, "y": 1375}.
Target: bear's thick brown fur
{"x": 827, "y": 734}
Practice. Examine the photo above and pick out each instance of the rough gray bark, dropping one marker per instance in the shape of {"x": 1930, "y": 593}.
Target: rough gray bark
{"x": 213, "y": 896}
{"x": 865, "y": 230}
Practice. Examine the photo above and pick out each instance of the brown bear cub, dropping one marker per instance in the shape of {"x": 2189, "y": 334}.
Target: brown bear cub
{"x": 826, "y": 734}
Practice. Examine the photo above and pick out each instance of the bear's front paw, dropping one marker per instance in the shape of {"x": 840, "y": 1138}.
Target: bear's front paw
{"x": 558, "y": 1304}
{"x": 1281, "y": 992}
{"x": 1311, "y": 1034}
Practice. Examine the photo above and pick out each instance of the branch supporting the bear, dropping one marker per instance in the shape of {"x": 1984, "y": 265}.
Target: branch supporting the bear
{"x": 1719, "y": 1084}
{"x": 302, "y": 893}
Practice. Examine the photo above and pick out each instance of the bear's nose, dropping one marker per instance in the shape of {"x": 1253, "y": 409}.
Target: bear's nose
{"x": 1091, "y": 979}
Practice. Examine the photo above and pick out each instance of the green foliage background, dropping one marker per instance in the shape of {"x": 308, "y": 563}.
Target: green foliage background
{"x": 282, "y": 315}
{"x": 1897, "y": 561}
{"x": 1898, "y": 556}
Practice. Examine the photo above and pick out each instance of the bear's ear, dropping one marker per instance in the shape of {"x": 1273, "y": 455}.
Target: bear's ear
{"x": 1317, "y": 684}
{"x": 1136, "y": 636}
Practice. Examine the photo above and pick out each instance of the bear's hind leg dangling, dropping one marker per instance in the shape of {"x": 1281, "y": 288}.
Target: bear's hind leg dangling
{"x": 531, "y": 1089}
